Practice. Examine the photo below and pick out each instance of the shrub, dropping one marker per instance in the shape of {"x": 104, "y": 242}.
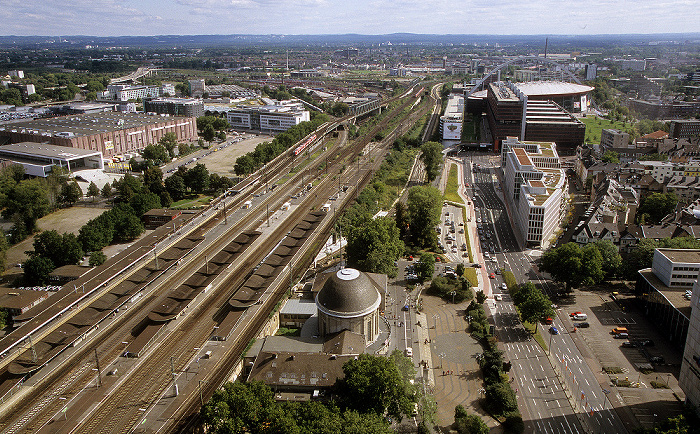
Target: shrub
{"x": 514, "y": 424}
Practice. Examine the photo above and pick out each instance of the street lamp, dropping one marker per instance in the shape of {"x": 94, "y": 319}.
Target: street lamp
{"x": 453, "y": 293}
{"x": 441, "y": 356}
{"x": 435, "y": 317}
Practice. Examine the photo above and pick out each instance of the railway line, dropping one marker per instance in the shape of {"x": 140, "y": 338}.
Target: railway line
{"x": 121, "y": 408}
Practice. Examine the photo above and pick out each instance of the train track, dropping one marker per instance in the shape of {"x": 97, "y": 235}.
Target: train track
{"x": 142, "y": 387}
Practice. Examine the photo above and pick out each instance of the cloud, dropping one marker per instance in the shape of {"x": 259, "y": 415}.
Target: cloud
{"x": 149, "y": 17}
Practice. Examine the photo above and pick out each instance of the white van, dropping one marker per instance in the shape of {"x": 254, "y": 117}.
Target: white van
{"x": 409, "y": 352}
{"x": 580, "y": 317}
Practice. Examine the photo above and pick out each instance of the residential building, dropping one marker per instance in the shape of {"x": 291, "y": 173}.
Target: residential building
{"x": 591, "y": 71}
{"x": 277, "y": 117}
{"x": 188, "y": 107}
{"x": 16, "y": 73}
{"x": 684, "y": 129}
{"x": 535, "y": 188}
{"x": 611, "y": 138}
{"x": 662, "y": 289}
{"x": 123, "y": 92}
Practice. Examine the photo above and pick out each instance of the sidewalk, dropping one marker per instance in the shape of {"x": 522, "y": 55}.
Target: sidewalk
{"x": 455, "y": 370}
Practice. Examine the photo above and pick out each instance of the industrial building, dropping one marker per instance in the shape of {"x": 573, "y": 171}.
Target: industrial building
{"x": 272, "y": 118}
{"x": 535, "y": 188}
{"x": 38, "y": 159}
{"x": 188, "y": 107}
{"x": 451, "y": 121}
{"x": 108, "y": 133}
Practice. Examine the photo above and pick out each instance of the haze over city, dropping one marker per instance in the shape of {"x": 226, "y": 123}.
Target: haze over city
{"x": 190, "y": 17}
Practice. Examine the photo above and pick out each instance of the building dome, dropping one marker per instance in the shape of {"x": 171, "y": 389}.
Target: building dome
{"x": 349, "y": 300}
{"x": 348, "y": 293}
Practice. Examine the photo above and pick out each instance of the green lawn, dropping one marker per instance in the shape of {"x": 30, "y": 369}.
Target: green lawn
{"x": 195, "y": 201}
{"x": 538, "y": 337}
{"x": 452, "y": 186}
{"x": 594, "y": 125}
{"x": 470, "y": 275}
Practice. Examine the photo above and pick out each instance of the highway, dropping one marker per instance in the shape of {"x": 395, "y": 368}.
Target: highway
{"x": 549, "y": 394}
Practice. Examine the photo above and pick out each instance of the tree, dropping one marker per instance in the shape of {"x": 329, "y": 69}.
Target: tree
{"x": 591, "y": 265}
{"x": 533, "y": 304}
{"x": 169, "y": 142}
{"x": 657, "y": 206}
{"x": 26, "y": 202}
{"x": 37, "y": 270}
{"x": 431, "y": 155}
{"x": 197, "y": 178}
{"x": 127, "y": 187}
{"x": 374, "y": 245}
{"x": 93, "y": 191}
{"x": 158, "y": 154}
{"x": 500, "y": 398}
{"x": 611, "y": 157}
{"x": 466, "y": 423}
{"x": 611, "y": 259}
{"x": 238, "y": 407}
{"x": 460, "y": 269}
{"x": 480, "y": 297}
{"x": 208, "y": 133}
{"x": 60, "y": 249}
{"x": 153, "y": 179}
{"x": 244, "y": 165}
{"x": 424, "y": 205}
{"x": 144, "y": 202}
{"x": 106, "y": 190}
{"x": 425, "y": 267}
{"x": 71, "y": 193}
{"x": 176, "y": 187}
{"x": 564, "y": 264}
{"x": 401, "y": 217}
{"x": 373, "y": 384}
{"x": 97, "y": 258}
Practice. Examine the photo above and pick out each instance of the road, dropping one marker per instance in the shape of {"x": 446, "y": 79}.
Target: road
{"x": 548, "y": 393}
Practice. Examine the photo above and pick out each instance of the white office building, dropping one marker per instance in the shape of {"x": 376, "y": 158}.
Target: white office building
{"x": 535, "y": 187}
{"x": 451, "y": 121}
{"x": 273, "y": 118}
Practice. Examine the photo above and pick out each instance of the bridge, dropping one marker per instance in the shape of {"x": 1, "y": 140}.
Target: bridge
{"x": 143, "y": 71}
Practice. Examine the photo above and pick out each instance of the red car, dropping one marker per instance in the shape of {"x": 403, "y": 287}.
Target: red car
{"x": 572, "y": 314}
{"x": 492, "y": 276}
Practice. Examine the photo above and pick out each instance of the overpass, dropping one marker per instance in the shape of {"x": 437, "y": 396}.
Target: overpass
{"x": 143, "y": 71}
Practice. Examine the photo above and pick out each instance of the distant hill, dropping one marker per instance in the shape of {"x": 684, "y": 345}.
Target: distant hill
{"x": 339, "y": 40}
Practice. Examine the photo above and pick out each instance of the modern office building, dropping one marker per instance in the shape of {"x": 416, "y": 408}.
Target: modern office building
{"x": 510, "y": 113}
{"x": 535, "y": 188}
{"x": 38, "y": 159}
{"x": 197, "y": 87}
{"x": 451, "y": 121}
{"x": 272, "y": 118}
{"x": 124, "y": 92}
{"x": 188, "y": 107}
{"x": 684, "y": 129}
{"x": 110, "y": 133}
{"x": 662, "y": 290}
{"x": 613, "y": 139}
{"x": 689, "y": 378}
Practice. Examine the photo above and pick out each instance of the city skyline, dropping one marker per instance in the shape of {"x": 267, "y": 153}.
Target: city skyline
{"x": 317, "y": 17}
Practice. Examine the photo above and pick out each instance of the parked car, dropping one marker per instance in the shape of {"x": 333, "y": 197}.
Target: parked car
{"x": 621, "y": 336}
{"x": 504, "y": 287}
{"x": 656, "y": 359}
{"x": 498, "y": 297}
{"x": 476, "y": 265}
{"x": 492, "y": 276}
{"x": 582, "y": 325}
{"x": 628, "y": 344}
{"x": 574, "y": 313}
{"x": 553, "y": 330}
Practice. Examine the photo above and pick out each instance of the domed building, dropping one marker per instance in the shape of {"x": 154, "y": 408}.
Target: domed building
{"x": 349, "y": 300}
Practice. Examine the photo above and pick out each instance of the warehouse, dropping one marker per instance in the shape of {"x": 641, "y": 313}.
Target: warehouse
{"x": 109, "y": 133}
{"x": 38, "y": 159}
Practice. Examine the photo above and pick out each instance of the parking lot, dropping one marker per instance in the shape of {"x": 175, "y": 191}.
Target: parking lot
{"x": 643, "y": 357}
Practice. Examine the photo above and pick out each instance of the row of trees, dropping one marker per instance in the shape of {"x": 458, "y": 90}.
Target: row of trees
{"x": 574, "y": 265}
{"x": 266, "y": 151}
{"x": 372, "y": 387}
{"x": 499, "y": 397}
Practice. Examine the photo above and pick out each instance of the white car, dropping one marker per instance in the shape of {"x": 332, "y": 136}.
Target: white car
{"x": 504, "y": 287}
{"x": 498, "y": 297}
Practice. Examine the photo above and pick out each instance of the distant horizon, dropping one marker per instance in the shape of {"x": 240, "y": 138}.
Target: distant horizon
{"x": 111, "y": 18}
{"x": 695, "y": 33}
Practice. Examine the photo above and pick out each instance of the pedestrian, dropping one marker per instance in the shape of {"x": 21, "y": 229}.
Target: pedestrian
{"x": 443, "y": 373}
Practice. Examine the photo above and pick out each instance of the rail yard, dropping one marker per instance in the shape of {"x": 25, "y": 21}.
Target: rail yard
{"x": 215, "y": 274}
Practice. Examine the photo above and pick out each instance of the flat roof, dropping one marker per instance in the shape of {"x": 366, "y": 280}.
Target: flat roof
{"x": 49, "y": 151}
{"x": 675, "y": 296}
{"x": 299, "y": 306}
{"x": 20, "y": 298}
{"x": 87, "y": 124}
{"x": 522, "y": 157}
{"x": 544, "y": 88}
{"x": 690, "y": 256}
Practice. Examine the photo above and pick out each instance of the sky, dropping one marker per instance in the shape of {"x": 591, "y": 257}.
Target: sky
{"x": 370, "y": 17}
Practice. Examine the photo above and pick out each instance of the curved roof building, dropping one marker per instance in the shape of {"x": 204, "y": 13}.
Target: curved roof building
{"x": 349, "y": 300}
